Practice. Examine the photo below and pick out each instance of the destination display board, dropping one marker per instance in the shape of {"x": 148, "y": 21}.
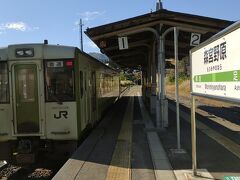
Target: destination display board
{"x": 215, "y": 66}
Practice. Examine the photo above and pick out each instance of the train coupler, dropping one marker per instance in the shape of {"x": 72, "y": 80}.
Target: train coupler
{"x": 24, "y": 154}
{"x": 28, "y": 158}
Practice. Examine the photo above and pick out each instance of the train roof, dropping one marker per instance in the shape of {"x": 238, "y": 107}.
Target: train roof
{"x": 42, "y": 51}
{"x": 96, "y": 60}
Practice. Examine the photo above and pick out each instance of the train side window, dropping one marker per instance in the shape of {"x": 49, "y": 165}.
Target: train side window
{"x": 85, "y": 81}
{"x": 4, "y": 84}
{"x": 94, "y": 91}
{"x": 81, "y": 84}
{"x": 59, "y": 80}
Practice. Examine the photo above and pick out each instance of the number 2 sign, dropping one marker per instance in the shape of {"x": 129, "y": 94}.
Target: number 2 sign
{"x": 195, "y": 39}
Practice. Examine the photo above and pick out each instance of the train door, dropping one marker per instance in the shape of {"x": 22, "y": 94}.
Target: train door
{"x": 26, "y": 102}
{"x": 82, "y": 100}
{"x": 85, "y": 97}
{"x": 89, "y": 102}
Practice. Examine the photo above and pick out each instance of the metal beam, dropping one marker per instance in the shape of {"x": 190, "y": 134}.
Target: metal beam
{"x": 131, "y": 45}
{"x": 145, "y": 29}
{"x": 185, "y": 27}
{"x": 128, "y": 54}
{"x": 116, "y": 33}
{"x": 191, "y": 27}
{"x": 180, "y": 44}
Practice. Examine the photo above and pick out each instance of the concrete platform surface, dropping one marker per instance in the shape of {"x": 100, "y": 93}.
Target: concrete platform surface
{"x": 120, "y": 148}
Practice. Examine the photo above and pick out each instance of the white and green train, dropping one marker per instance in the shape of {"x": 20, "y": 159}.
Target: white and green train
{"x": 49, "y": 94}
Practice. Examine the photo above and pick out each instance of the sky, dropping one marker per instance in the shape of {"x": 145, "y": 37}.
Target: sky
{"x": 32, "y": 21}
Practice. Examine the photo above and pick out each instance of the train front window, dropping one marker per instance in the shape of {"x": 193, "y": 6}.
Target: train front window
{"x": 59, "y": 80}
{"x": 4, "y": 91}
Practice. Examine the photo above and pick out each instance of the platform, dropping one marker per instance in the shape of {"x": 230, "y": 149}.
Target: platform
{"x": 120, "y": 147}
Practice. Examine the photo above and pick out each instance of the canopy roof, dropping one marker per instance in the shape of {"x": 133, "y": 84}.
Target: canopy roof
{"x": 140, "y": 44}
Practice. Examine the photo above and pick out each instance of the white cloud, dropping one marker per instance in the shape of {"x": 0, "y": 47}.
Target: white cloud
{"x": 86, "y": 17}
{"x": 91, "y": 15}
{"x": 17, "y": 26}
{"x": 35, "y": 28}
{"x": 76, "y": 23}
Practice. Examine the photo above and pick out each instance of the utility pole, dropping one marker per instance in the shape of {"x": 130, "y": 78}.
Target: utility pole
{"x": 81, "y": 35}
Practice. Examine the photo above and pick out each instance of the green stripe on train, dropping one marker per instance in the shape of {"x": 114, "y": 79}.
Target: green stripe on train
{"x": 228, "y": 76}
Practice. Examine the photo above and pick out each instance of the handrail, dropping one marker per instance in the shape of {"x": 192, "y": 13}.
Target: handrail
{"x": 60, "y": 132}
{"x": 3, "y": 134}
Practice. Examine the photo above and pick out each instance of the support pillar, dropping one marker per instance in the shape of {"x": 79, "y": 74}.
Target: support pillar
{"x": 144, "y": 84}
{"x": 162, "y": 103}
{"x": 148, "y": 87}
{"x": 153, "y": 80}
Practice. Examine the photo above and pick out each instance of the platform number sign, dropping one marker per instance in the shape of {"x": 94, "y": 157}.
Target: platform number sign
{"x": 195, "y": 39}
{"x": 123, "y": 43}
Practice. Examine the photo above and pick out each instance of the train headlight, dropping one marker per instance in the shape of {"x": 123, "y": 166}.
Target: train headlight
{"x": 19, "y": 53}
{"x": 29, "y": 52}
{"x": 24, "y": 52}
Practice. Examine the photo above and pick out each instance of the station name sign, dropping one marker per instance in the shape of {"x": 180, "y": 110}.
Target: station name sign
{"x": 215, "y": 66}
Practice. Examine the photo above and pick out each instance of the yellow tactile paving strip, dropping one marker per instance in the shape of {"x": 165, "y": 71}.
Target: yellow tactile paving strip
{"x": 120, "y": 167}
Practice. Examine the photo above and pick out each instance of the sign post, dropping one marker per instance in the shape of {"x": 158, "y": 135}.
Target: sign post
{"x": 177, "y": 87}
{"x": 215, "y": 73}
{"x": 193, "y": 129}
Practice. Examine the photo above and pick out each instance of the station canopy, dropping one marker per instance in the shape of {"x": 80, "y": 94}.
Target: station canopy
{"x": 106, "y": 36}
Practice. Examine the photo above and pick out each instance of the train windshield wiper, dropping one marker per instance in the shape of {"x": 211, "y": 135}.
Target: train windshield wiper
{"x": 55, "y": 98}
{"x": 58, "y": 100}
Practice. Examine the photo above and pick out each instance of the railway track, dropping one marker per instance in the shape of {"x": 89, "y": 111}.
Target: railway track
{"x": 9, "y": 171}
{"x": 227, "y": 116}
{"x": 217, "y": 145}
{"x": 17, "y": 172}
{"x": 44, "y": 168}
{"x": 224, "y": 120}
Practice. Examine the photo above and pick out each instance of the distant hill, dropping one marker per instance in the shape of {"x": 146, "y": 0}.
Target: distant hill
{"x": 101, "y": 57}
{"x": 104, "y": 59}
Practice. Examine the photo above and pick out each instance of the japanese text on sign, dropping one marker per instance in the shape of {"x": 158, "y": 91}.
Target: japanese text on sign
{"x": 216, "y": 53}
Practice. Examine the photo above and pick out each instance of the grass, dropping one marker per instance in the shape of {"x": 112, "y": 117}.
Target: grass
{"x": 184, "y": 91}
{"x": 184, "y": 88}
{"x": 126, "y": 83}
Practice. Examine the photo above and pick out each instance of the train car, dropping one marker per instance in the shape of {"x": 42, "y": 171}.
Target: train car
{"x": 49, "y": 94}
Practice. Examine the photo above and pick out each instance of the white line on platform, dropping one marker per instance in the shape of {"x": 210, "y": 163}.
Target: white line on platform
{"x": 162, "y": 167}
{"x": 186, "y": 174}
